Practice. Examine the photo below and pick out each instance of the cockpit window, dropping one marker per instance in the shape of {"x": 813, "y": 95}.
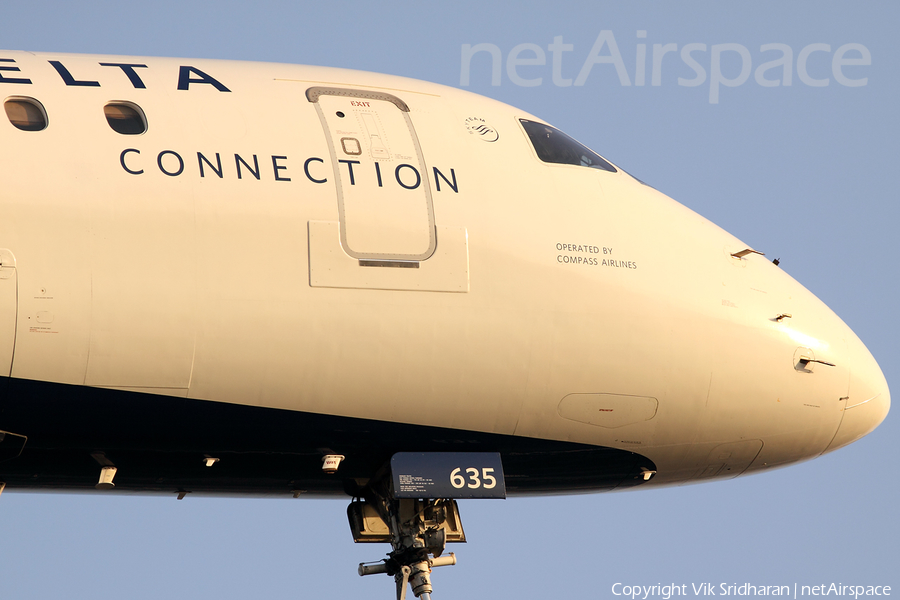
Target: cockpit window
{"x": 553, "y": 146}
{"x": 125, "y": 118}
{"x": 26, "y": 114}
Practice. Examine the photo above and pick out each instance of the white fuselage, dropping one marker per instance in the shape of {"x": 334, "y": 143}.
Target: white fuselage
{"x": 457, "y": 281}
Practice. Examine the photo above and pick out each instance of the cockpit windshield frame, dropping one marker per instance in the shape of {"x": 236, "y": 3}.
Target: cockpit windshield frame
{"x": 555, "y": 147}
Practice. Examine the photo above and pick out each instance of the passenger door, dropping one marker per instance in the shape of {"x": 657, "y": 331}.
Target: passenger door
{"x": 381, "y": 179}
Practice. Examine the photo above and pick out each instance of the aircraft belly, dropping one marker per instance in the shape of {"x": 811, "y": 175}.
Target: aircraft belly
{"x": 159, "y": 445}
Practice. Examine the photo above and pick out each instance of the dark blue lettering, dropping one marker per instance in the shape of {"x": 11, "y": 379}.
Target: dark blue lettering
{"x": 185, "y": 80}
{"x": 438, "y": 176}
{"x": 306, "y": 170}
{"x": 254, "y": 170}
{"x": 67, "y": 77}
{"x": 276, "y": 167}
{"x": 414, "y": 170}
{"x": 378, "y": 173}
{"x": 129, "y": 70}
{"x": 11, "y": 79}
{"x": 217, "y": 169}
{"x": 159, "y": 163}
{"x": 350, "y": 164}
{"x": 122, "y": 160}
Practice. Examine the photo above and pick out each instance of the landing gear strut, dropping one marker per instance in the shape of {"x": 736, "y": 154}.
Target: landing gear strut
{"x": 418, "y": 531}
{"x": 411, "y": 505}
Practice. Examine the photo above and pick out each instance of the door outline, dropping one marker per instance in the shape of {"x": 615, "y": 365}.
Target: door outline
{"x": 10, "y": 325}
{"x": 313, "y": 94}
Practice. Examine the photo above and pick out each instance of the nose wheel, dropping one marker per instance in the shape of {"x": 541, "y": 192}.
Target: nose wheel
{"x": 417, "y": 575}
{"x": 411, "y": 504}
{"x": 418, "y": 530}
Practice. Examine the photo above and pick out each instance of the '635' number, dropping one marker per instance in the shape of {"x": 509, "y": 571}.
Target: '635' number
{"x": 486, "y": 480}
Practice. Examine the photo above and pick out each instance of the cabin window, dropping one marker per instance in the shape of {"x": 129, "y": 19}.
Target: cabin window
{"x": 125, "y": 118}
{"x": 553, "y": 146}
{"x": 26, "y": 114}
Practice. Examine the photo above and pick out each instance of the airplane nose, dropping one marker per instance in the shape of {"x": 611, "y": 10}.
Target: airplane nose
{"x": 869, "y": 398}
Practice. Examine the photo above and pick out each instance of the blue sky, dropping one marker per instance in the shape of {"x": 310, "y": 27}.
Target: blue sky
{"x": 803, "y": 172}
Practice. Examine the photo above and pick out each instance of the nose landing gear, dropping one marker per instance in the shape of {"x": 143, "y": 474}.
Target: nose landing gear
{"x": 418, "y": 531}
{"x": 412, "y": 506}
